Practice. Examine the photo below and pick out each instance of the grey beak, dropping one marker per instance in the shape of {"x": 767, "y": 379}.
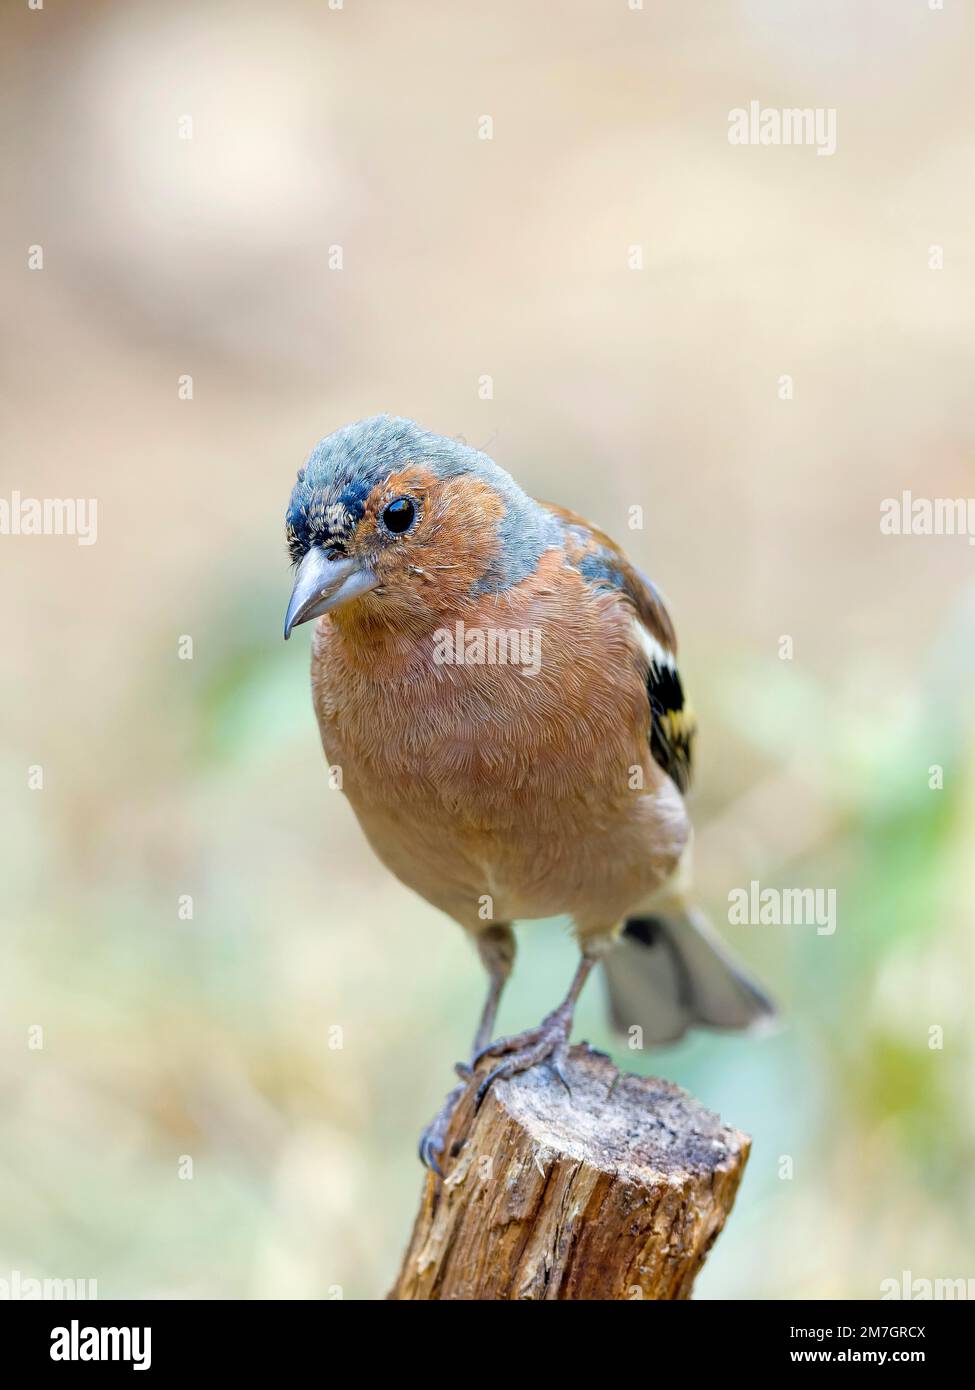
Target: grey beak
{"x": 322, "y": 583}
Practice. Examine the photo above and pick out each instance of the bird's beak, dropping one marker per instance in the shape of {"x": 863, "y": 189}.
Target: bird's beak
{"x": 322, "y": 583}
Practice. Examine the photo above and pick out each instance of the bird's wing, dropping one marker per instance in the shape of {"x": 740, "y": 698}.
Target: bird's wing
{"x": 602, "y": 563}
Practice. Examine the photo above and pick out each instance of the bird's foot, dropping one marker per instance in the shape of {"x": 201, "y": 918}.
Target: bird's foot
{"x": 549, "y": 1042}
{"x": 434, "y": 1137}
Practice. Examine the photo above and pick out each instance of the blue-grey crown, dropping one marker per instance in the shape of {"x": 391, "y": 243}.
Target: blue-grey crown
{"x": 341, "y": 471}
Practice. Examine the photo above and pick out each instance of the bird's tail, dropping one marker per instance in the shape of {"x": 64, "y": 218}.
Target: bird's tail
{"x": 668, "y": 974}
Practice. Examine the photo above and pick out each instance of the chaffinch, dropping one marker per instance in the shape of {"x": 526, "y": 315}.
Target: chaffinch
{"x": 499, "y": 686}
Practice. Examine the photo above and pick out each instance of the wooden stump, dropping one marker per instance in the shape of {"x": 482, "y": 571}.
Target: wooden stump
{"x": 607, "y": 1194}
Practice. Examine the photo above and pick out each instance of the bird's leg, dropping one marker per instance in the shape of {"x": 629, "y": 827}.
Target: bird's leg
{"x": 496, "y": 947}
{"x": 549, "y": 1042}
{"x": 485, "y": 1029}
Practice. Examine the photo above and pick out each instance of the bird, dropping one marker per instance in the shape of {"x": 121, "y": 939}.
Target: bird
{"x": 499, "y": 686}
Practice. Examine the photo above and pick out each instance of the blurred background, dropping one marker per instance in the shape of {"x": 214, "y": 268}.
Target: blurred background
{"x": 189, "y": 172}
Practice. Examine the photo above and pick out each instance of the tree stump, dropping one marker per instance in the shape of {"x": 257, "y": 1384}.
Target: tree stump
{"x": 615, "y": 1192}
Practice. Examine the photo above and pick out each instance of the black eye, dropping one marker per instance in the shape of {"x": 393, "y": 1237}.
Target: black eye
{"x": 399, "y": 515}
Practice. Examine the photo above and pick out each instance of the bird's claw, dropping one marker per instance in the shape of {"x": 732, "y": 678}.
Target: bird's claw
{"x": 547, "y": 1043}
{"x": 430, "y": 1151}
{"x": 434, "y": 1137}
{"x": 555, "y": 1066}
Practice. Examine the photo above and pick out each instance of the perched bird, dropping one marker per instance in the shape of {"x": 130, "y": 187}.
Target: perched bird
{"x": 499, "y": 686}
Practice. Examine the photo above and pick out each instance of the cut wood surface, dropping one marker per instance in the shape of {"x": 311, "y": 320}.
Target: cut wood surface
{"x": 615, "y": 1192}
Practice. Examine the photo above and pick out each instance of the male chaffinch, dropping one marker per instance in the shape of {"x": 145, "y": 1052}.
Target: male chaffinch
{"x": 499, "y": 686}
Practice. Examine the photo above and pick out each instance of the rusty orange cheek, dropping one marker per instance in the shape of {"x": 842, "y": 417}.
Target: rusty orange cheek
{"x": 458, "y": 516}
{"x": 467, "y": 514}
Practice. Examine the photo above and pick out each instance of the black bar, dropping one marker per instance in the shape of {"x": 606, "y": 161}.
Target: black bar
{"x": 254, "y": 1338}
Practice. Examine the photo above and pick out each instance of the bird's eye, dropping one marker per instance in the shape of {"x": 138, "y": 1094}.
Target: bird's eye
{"x": 399, "y": 515}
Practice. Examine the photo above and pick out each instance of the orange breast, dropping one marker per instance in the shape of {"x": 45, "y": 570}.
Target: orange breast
{"x": 508, "y": 757}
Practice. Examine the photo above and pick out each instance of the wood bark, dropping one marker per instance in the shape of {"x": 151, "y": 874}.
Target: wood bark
{"x": 617, "y": 1191}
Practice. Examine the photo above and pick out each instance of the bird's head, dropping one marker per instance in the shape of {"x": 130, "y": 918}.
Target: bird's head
{"x": 391, "y": 525}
